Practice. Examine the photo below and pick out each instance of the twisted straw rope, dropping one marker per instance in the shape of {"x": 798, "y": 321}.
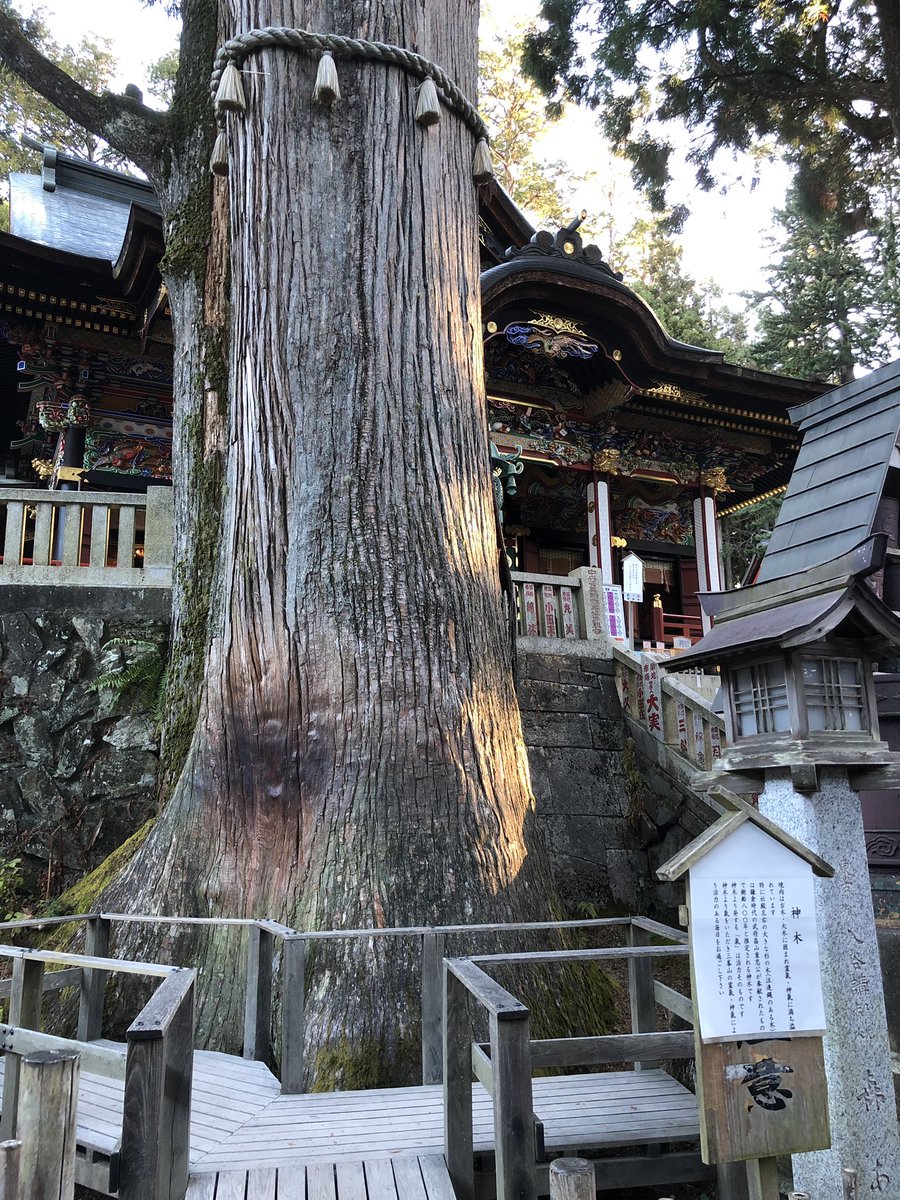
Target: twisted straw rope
{"x": 236, "y": 49}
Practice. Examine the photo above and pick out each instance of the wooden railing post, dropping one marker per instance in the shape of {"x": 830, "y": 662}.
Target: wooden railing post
{"x": 457, "y": 1072}
{"x": 258, "y": 1001}
{"x": 156, "y": 1113}
{"x": 640, "y": 989}
{"x": 46, "y": 1113}
{"x": 24, "y": 1011}
{"x": 293, "y": 1014}
{"x": 10, "y": 1159}
{"x": 513, "y": 1115}
{"x": 572, "y": 1179}
{"x": 432, "y": 1006}
{"x": 93, "y": 980}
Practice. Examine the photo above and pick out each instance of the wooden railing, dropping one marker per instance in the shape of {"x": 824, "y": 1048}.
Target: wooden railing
{"x": 677, "y": 713}
{"x": 156, "y": 1066}
{"x": 504, "y": 1065}
{"x": 665, "y": 626}
{"x": 108, "y": 539}
{"x": 560, "y": 606}
{"x": 274, "y": 949}
{"x": 152, "y": 1157}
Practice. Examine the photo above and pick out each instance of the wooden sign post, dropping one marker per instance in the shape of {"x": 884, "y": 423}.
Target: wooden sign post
{"x": 632, "y": 591}
{"x": 756, "y": 981}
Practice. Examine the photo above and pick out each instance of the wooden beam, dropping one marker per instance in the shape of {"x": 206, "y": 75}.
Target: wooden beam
{"x": 10, "y": 1160}
{"x": 124, "y": 965}
{"x": 513, "y": 1110}
{"x": 432, "y": 974}
{"x": 701, "y": 845}
{"x": 457, "y": 1072}
{"x": 24, "y": 1010}
{"x": 876, "y": 779}
{"x": 739, "y": 805}
{"x": 258, "y": 996}
{"x": 54, "y": 981}
{"x": 489, "y": 993}
{"x": 293, "y": 1015}
{"x": 572, "y": 1179}
{"x": 612, "y": 1048}
{"x": 481, "y": 1067}
{"x": 96, "y": 1060}
{"x": 640, "y": 992}
{"x": 553, "y": 956}
{"x": 93, "y": 980}
{"x": 673, "y": 1002}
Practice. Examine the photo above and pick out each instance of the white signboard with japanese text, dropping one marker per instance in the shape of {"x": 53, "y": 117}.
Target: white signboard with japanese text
{"x": 754, "y": 942}
{"x": 615, "y": 612}
{"x": 633, "y": 578}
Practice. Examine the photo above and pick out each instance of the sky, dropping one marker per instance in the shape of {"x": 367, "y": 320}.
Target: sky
{"x": 723, "y": 240}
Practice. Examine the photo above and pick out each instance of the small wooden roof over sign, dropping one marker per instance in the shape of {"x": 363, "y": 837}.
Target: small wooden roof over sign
{"x": 739, "y": 812}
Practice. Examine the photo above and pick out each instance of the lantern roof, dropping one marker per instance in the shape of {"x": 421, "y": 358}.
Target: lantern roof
{"x": 799, "y": 610}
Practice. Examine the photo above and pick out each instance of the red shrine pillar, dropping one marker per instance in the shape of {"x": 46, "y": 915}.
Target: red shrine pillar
{"x": 706, "y": 534}
{"x": 600, "y": 546}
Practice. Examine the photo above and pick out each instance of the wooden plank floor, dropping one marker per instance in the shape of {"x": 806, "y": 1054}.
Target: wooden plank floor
{"x": 242, "y": 1126}
{"x": 613, "y": 1108}
{"x": 227, "y": 1093}
{"x": 409, "y": 1178}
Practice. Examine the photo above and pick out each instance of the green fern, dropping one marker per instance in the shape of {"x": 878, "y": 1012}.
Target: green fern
{"x": 143, "y": 671}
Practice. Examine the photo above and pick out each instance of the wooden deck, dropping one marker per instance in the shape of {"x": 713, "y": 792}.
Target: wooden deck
{"x": 419, "y": 1178}
{"x": 241, "y": 1123}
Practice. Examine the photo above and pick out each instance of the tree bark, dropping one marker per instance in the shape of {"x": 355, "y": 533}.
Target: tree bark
{"x": 889, "y": 24}
{"x": 357, "y": 757}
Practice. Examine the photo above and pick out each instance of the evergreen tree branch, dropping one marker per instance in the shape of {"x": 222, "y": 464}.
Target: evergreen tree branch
{"x": 122, "y": 121}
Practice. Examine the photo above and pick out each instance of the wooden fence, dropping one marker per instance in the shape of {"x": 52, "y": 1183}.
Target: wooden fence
{"x": 505, "y": 1064}
{"x": 275, "y": 952}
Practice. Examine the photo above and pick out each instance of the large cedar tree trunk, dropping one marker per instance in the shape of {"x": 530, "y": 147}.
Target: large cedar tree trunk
{"x": 354, "y": 753}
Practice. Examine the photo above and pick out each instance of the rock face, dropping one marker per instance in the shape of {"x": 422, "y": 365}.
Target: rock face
{"x": 77, "y": 765}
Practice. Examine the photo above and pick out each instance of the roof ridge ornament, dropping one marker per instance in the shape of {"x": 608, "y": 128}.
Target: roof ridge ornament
{"x": 566, "y": 243}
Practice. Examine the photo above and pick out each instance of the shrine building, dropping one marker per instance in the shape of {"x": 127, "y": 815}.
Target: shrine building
{"x": 628, "y": 440}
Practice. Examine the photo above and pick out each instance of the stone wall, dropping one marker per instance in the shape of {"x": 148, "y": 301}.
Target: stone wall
{"x": 611, "y": 814}
{"x": 77, "y": 767}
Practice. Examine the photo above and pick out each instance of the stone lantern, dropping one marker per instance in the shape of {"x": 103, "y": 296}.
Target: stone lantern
{"x": 796, "y": 657}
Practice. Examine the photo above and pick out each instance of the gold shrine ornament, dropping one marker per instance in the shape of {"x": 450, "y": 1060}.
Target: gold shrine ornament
{"x": 608, "y": 461}
{"x": 714, "y": 479}
{"x": 558, "y": 324}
